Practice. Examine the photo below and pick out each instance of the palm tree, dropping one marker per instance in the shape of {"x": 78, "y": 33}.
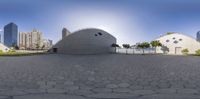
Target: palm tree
{"x": 115, "y": 46}
{"x": 126, "y": 46}
{"x": 143, "y": 45}
{"x": 155, "y": 44}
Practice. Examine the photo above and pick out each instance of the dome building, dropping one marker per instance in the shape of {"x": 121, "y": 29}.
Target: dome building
{"x": 4, "y": 48}
{"x": 174, "y": 43}
{"x": 86, "y": 41}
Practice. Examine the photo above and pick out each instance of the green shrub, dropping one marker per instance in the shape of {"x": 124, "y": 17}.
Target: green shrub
{"x": 1, "y": 51}
{"x": 185, "y": 51}
{"x": 198, "y": 52}
{"x": 11, "y": 51}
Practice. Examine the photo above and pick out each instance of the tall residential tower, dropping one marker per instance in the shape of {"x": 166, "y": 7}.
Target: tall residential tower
{"x": 30, "y": 40}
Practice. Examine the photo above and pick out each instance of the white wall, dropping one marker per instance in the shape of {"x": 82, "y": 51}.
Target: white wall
{"x": 187, "y": 42}
{"x": 85, "y": 42}
{"x": 3, "y": 48}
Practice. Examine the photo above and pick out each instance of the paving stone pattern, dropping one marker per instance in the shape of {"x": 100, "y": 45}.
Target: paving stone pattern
{"x": 109, "y": 76}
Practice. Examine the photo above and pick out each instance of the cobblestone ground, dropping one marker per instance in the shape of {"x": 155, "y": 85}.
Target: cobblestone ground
{"x": 113, "y": 76}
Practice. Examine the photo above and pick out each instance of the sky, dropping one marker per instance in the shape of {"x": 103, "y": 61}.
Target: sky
{"x": 130, "y": 21}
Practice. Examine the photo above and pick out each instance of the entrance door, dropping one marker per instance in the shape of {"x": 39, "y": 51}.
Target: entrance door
{"x": 178, "y": 50}
{"x": 55, "y": 50}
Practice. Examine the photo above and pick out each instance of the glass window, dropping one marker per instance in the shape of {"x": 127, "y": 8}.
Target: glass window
{"x": 100, "y": 33}
{"x": 174, "y": 38}
{"x": 167, "y": 40}
{"x": 180, "y": 39}
{"x": 96, "y": 35}
{"x": 175, "y": 42}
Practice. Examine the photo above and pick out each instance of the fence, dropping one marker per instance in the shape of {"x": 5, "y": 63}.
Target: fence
{"x": 136, "y": 51}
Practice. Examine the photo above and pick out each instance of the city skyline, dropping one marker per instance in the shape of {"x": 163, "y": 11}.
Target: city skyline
{"x": 130, "y": 21}
{"x": 11, "y": 37}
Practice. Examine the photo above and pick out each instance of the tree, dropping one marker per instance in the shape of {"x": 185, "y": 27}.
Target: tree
{"x": 155, "y": 44}
{"x": 14, "y": 45}
{"x": 165, "y": 49}
{"x": 115, "y": 46}
{"x": 143, "y": 46}
{"x": 37, "y": 46}
{"x": 185, "y": 51}
{"x": 126, "y": 46}
{"x": 198, "y": 52}
{"x": 43, "y": 46}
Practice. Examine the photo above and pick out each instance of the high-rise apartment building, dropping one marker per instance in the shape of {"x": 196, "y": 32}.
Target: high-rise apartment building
{"x": 30, "y": 40}
{"x": 11, "y": 35}
{"x": 36, "y": 39}
{"x": 22, "y": 40}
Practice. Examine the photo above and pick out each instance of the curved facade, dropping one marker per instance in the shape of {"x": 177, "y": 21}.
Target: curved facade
{"x": 4, "y": 48}
{"x": 174, "y": 43}
{"x": 86, "y": 41}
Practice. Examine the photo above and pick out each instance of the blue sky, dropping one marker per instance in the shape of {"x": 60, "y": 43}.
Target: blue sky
{"x": 131, "y": 21}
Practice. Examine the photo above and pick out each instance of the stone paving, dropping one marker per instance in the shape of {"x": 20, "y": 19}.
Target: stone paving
{"x": 111, "y": 76}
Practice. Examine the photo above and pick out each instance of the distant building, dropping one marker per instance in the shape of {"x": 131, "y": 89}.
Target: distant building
{"x": 22, "y": 40}
{"x": 51, "y": 42}
{"x": 33, "y": 40}
{"x": 36, "y": 39}
{"x": 198, "y": 36}
{"x": 65, "y": 33}
{"x": 11, "y": 35}
{"x": 47, "y": 44}
{"x": 30, "y": 40}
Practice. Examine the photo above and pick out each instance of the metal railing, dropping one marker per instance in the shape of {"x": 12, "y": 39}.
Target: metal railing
{"x": 135, "y": 51}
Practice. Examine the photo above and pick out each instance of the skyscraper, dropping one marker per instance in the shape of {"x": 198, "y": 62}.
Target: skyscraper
{"x": 10, "y": 35}
{"x": 198, "y": 36}
{"x": 65, "y": 32}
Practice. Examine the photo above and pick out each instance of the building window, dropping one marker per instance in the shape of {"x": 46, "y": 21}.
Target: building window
{"x": 175, "y": 42}
{"x": 95, "y": 35}
{"x": 174, "y": 38}
{"x": 167, "y": 40}
{"x": 180, "y": 39}
{"x": 100, "y": 33}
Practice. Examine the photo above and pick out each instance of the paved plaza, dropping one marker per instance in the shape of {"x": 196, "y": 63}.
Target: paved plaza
{"x": 109, "y": 76}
